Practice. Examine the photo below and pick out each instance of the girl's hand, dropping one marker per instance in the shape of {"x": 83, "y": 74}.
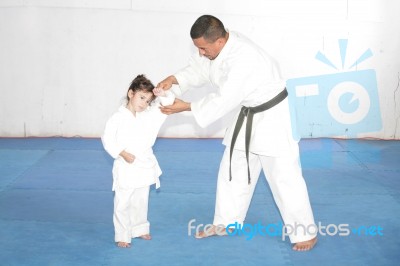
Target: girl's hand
{"x": 128, "y": 157}
{"x": 159, "y": 92}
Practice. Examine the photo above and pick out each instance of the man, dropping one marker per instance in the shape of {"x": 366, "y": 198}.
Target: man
{"x": 243, "y": 75}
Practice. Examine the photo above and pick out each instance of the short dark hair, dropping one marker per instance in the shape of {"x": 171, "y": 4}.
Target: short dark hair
{"x": 208, "y": 27}
{"x": 141, "y": 83}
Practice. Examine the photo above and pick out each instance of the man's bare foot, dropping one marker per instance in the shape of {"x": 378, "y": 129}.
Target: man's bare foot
{"x": 212, "y": 231}
{"x": 123, "y": 245}
{"x": 305, "y": 245}
{"x": 146, "y": 237}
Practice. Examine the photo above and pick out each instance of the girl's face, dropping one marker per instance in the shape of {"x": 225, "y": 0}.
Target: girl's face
{"x": 139, "y": 100}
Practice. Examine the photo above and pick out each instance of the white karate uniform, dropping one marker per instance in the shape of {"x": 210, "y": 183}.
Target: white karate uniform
{"x": 245, "y": 75}
{"x": 131, "y": 181}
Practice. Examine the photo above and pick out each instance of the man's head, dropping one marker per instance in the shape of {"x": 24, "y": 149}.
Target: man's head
{"x": 209, "y": 36}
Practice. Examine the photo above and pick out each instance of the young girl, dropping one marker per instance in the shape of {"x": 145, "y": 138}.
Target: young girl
{"x": 128, "y": 137}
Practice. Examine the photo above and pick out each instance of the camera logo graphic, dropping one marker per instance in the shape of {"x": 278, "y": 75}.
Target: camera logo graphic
{"x": 339, "y": 104}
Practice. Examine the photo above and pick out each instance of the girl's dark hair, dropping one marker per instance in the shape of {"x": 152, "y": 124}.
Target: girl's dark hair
{"x": 141, "y": 83}
{"x": 208, "y": 27}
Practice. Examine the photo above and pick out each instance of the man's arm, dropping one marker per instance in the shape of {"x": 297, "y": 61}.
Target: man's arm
{"x": 167, "y": 83}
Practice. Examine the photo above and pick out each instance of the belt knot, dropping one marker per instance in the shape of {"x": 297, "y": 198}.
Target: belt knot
{"x": 245, "y": 110}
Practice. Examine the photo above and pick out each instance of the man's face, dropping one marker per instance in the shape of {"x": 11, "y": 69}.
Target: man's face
{"x": 207, "y": 49}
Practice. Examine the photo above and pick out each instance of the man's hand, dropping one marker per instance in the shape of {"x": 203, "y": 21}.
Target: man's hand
{"x": 177, "y": 107}
{"x": 167, "y": 83}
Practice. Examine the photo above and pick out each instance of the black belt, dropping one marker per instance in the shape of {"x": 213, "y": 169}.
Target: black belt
{"x": 249, "y": 112}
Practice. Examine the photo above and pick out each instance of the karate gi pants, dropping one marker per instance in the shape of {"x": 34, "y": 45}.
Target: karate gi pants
{"x": 285, "y": 179}
{"x": 130, "y": 213}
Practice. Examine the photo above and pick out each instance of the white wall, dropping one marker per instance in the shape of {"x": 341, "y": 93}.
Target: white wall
{"x": 65, "y": 64}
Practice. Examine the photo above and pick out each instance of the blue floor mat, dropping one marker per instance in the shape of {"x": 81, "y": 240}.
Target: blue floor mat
{"x": 56, "y": 205}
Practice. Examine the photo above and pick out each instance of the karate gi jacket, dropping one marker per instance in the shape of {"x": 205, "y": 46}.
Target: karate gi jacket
{"x": 243, "y": 74}
{"x": 136, "y": 135}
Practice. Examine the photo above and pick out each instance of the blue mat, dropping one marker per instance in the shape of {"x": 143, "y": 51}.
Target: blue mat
{"x": 56, "y": 205}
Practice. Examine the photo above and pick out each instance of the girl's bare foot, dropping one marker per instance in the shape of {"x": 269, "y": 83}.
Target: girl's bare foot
{"x": 123, "y": 245}
{"x": 146, "y": 237}
{"x": 305, "y": 245}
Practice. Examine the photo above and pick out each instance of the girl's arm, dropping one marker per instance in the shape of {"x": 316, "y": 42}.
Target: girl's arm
{"x": 166, "y": 97}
